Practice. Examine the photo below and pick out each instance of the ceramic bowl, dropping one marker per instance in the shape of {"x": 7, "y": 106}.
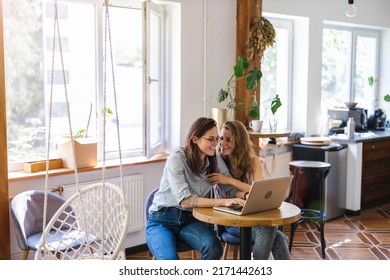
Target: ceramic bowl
{"x": 335, "y": 123}
{"x": 351, "y": 105}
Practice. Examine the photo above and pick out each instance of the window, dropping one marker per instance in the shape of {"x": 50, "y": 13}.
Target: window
{"x": 349, "y": 58}
{"x": 28, "y": 43}
{"x": 276, "y": 69}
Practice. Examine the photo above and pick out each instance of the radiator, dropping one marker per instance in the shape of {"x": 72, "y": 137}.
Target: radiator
{"x": 133, "y": 186}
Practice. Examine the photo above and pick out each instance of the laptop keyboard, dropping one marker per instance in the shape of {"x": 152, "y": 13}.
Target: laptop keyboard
{"x": 236, "y": 207}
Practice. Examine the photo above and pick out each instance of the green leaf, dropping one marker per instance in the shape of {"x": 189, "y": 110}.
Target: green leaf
{"x": 80, "y": 133}
{"x": 107, "y": 111}
{"x": 275, "y": 104}
{"x": 387, "y": 98}
{"x": 371, "y": 81}
{"x": 254, "y": 110}
{"x": 253, "y": 78}
{"x": 231, "y": 104}
{"x": 241, "y": 66}
{"x": 222, "y": 95}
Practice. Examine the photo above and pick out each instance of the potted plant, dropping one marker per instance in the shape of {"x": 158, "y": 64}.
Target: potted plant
{"x": 85, "y": 146}
{"x": 262, "y": 35}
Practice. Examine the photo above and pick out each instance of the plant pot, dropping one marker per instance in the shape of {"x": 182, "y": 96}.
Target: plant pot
{"x": 221, "y": 115}
{"x": 85, "y": 150}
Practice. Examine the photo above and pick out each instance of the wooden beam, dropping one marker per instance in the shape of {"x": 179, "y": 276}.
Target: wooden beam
{"x": 247, "y": 10}
{"x": 5, "y": 246}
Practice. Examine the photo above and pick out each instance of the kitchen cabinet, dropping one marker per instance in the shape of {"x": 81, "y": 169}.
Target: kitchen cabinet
{"x": 375, "y": 187}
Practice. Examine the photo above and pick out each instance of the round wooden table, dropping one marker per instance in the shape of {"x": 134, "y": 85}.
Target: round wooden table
{"x": 254, "y": 136}
{"x": 287, "y": 213}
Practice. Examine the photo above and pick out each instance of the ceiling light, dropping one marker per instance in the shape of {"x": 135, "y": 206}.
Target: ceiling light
{"x": 351, "y": 10}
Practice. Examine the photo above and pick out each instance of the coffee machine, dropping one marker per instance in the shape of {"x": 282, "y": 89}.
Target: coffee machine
{"x": 358, "y": 114}
{"x": 377, "y": 121}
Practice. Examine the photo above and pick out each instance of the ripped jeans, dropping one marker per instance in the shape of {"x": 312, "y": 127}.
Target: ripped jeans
{"x": 266, "y": 240}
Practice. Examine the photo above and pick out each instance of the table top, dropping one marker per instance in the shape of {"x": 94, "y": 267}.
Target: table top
{"x": 265, "y": 133}
{"x": 287, "y": 213}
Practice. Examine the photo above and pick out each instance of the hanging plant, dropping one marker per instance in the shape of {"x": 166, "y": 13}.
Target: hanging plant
{"x": 261, "y": 36}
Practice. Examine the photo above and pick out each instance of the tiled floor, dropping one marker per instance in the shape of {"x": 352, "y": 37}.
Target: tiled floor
{"x": 363, "y": 237}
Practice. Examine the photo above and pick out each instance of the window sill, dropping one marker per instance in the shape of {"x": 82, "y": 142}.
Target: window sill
{"x": 22, "y": 176}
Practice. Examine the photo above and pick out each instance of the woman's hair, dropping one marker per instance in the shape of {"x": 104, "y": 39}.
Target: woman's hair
{"x": 243, "y": 151}
{"x": 198, "y": 129}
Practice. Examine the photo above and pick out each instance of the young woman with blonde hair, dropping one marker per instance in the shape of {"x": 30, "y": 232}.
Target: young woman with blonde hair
{"x": 245, "y": 167}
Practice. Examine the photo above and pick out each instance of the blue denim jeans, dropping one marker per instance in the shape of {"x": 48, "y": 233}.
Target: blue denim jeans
{"x": 265, "y": 241}
{"x": 168, "y": 225}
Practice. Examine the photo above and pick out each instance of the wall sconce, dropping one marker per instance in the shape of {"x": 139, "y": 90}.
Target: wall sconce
{"x": 351, "y": 10}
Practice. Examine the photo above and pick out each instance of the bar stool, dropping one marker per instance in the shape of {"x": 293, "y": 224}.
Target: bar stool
{"x": 308, "y": 193}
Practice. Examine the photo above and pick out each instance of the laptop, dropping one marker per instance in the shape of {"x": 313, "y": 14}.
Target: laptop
{"x": 264, "y": 195}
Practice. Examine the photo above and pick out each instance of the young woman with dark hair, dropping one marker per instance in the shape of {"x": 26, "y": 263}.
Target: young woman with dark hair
{"x": 184, "y": 186}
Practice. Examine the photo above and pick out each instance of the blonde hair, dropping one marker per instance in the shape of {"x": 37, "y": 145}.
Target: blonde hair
{"x": 243, "y": 151}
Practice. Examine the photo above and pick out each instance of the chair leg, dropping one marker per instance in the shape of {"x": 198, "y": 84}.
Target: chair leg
{"x": 25, "y": 254}
{"x": 151, "y": 256}
{"x": 225, "y": 251}
{"x": 323, "y": 243}
{"x": 193, "y": 254}
{"x": 293, "y": 227}
{"x": 235, "y": 252}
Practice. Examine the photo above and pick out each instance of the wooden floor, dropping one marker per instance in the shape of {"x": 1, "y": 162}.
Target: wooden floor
{"x": 363, "y": 237}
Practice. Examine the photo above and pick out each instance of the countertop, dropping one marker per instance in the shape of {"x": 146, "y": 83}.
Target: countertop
{"x": 368, "y": 136}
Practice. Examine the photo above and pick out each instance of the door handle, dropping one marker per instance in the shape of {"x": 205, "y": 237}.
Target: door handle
{"x": 150, "y": 80}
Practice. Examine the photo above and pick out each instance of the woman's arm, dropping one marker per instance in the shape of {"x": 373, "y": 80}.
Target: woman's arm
{"x": 194, "y": 201}
{"x": 257, "y": 169}
{"x": 257, "y": 174}
{"x": 218, "y": 178}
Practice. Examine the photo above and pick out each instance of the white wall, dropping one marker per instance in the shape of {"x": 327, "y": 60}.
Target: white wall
{"x": 208, "y": 44}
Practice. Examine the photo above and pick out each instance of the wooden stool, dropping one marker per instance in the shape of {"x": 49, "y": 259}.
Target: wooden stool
{"x": 308, "y": 193}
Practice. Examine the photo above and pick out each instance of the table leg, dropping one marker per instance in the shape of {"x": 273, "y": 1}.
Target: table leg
{"x": 255, "y": 141}
{"x": 245, "y": 243}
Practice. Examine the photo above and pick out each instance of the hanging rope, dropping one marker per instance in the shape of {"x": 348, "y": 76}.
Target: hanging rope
{"x": 56, "y": 29}
{"x": 93, "y": 223}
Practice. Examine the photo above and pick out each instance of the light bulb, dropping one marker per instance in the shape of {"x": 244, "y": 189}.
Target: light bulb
{"x": 351, "y": 10}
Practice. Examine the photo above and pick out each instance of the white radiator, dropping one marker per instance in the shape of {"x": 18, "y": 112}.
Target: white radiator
{"x": 133, "y": 186}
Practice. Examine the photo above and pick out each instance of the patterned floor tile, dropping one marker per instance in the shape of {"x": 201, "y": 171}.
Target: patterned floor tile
{"x": 362, "y": 237}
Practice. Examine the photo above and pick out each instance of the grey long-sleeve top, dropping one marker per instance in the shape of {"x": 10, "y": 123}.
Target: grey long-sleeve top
{"x": 179, "y": 182}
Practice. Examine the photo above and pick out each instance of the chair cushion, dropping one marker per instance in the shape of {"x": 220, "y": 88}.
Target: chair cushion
{"x": 60, "y": 240}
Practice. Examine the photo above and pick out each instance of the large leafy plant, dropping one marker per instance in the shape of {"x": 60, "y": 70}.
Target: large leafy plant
{"x": 252, "y": 77}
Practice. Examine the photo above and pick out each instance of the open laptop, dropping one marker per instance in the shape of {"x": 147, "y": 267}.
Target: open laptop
{"x": 264, "y": 195}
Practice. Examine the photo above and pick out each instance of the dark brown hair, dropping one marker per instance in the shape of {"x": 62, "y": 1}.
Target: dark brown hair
{"x": 243, "y": 151}
{"x": 198, "y": 129}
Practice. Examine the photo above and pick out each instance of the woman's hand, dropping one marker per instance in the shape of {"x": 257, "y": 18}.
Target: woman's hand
{"x": 218, "y": 178}
{"x": 233, "y": 201}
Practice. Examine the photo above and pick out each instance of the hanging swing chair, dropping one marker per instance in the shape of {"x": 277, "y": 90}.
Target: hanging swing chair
{"x": 93, "y": 223}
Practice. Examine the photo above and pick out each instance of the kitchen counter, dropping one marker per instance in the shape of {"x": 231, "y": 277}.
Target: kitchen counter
{"x": 368, "y": 166}
{"x": 371, "y": 135}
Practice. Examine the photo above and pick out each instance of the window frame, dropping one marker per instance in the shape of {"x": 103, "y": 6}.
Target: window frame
{"x": 351, "y": 67}
{"x": 287, "y": 24}
{"x": 147, "y": 150}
